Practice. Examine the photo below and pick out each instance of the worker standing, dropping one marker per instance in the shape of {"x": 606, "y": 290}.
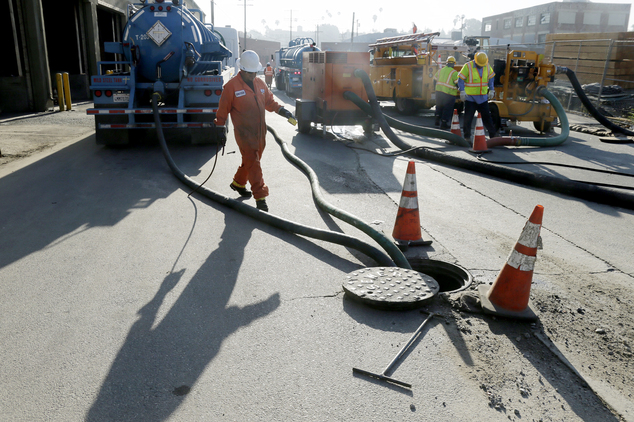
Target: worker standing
{"x": 268, "y": 75}
{"x": 246, "y": 98}
{"x": 446, "y": 93}
{"x": 476, "y": 89}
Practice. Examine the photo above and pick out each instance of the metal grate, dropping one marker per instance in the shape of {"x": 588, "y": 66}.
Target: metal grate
{"x": 337, "y": 57}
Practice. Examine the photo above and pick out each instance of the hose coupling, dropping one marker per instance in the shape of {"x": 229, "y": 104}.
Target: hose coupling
{"x": 561, "y": 69}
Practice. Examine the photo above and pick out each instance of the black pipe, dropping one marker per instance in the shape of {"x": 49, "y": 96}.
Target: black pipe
{"x": 388, "y": 245}
{"x": 278, "y": 222}
{"x": 568, "y": 187}
{"x": 588, "y": 104}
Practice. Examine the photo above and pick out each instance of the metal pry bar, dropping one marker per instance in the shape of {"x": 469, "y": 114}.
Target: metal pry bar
{"x": 383, "y": 376}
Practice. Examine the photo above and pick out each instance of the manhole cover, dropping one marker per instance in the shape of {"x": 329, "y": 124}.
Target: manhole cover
{"x": 390, "y": 287}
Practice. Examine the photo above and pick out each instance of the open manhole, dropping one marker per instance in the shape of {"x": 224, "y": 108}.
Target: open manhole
{"x": 450, "y": 277}
{"x": 390, "y": 288}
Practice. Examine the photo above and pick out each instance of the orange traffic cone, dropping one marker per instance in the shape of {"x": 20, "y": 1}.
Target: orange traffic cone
{"x": 510, "y": 292}
{"x": 407, "y": 226}
{"x": 479, "y": 141}
{"x": 455, "y": 123}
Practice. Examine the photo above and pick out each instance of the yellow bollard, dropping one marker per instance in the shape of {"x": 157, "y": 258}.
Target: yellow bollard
{"x": 69, "y": 103}
{"x": 60, "y": 91}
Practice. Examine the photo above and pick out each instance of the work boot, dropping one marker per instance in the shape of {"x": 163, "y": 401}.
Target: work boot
{"x": 437, "y": 121}
{"x": 261, "y": 205}
{"x": 242, "y": 191}
{"x": 444, "y": 125}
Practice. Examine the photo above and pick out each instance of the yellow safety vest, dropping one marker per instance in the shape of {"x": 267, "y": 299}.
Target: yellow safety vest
{"x": 446, "y": 81}
{"x": 473, "y": 84}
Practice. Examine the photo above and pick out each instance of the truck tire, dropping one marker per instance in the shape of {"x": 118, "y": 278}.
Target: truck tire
{"x": 405, "y": 106}
{"x": 495, "y": 116}
{"x": 279, "y": 81}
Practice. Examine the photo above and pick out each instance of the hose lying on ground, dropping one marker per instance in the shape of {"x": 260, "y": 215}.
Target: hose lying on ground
{"x": 278, "y": 222}
{"x": 588, "y": 104}
{"x": 538, "y": 142}
{"x": 389, "y": 246}
{"x": 541, "y": 181}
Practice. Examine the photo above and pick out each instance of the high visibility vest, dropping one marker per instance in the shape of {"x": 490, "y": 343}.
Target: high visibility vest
{"x": 473, "y": 84}
{"x": 446, "y": 81}
{"x": 268, "y": 71}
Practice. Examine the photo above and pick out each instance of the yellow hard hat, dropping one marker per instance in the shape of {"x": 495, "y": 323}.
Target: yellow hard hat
{"x": 481, "y": 59}
{"x": 451, "y": 59}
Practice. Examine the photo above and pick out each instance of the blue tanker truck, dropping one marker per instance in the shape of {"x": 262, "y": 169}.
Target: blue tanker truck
{"x": 164, "y": 49}
{"x": 288, "y": 71}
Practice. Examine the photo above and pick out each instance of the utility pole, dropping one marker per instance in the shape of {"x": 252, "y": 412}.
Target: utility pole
{"x": 317, "y": 31}
{"x": 352, "y": 36}
{"x": 244, "y": 46}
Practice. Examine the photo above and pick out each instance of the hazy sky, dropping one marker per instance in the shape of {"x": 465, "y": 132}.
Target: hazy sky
{"x": 370, "y": 14}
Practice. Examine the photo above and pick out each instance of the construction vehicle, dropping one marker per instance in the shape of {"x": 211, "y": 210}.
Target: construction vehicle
{"x": 516, "y": 81}
{"x": 165, "y": 50}
{"x": 327, "y": 75}
{"x": 402, "y": 70}
{"x": 288, "y": 61}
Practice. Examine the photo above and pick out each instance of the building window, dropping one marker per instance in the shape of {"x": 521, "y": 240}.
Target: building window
{"x": 545, "y": 18}
{"x": 592, "y": 18}
{"x": 541, "y": 38}
{"x": 567, "y": 17}
{"x": 530, "y": 21}
{"x": 616, "y": 19}
{"x": 519, "y": 22}
{"x": 507, "y": 23}
{"x": 487, "y": 27}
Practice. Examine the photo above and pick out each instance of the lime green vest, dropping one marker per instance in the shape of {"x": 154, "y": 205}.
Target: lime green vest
{"x": 446, "y": 81}
{"x": 473, "y": 84}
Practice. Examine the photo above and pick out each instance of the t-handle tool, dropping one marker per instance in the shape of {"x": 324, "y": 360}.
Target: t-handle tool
{"x": 383, "y": 376}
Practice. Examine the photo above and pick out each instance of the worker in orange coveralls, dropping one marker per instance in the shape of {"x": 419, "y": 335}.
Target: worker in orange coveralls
{"x": 246, "y": 97}
{"x": 268, "y": 75}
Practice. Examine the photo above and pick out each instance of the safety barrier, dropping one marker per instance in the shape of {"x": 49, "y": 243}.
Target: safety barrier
{"x": 63, "y": 91}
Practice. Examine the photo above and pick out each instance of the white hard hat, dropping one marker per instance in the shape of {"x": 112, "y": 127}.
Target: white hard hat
{"x": 250, "y": 61}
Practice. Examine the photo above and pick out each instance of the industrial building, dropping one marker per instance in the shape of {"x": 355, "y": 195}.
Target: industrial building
{"x": 532, "y": 24}
{"x": 46, "y": 37}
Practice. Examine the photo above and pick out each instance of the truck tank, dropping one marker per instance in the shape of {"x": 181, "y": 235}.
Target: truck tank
{"x": 161, "y": 28}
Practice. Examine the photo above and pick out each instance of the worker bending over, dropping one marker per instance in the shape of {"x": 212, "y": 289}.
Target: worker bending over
{"x": 246, "y": 97}
{"x": 446, "y": 92}
{"x": 476, "y": 89}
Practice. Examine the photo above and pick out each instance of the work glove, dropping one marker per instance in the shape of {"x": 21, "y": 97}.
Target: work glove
{"x": 463, "y": 96}
{"x": 284, "y": 113}
{"x": 491, "y": 94}
{"x": 222, "y": 136}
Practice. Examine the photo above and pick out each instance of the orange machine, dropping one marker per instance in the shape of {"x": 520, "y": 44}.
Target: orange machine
{"x": 327, "y": 75}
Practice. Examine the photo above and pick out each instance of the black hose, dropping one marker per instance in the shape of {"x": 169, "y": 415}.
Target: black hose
{"x": 541, "y": 181}
{"x": 591, "y": 109}
{"x": 388, "y": 245}
{"x": 278, "y": 222}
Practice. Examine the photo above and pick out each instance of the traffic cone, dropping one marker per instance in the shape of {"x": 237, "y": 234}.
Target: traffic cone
{"x": 407, "y": 226}
{"x": 479, "y": 140}
{"x": 455, "y": 123}
{"x": 510, "y": 292}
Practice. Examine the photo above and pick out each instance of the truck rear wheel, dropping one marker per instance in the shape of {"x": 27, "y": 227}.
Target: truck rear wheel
{"x": 405, "y": 106}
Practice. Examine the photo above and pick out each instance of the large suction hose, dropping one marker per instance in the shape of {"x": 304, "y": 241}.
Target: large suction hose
{"x": 569, "y": 187}
{"x": 389, "y": 246}
{"x": 265, "y": 217}
{"x": 384, "y": 120}
{"x": 538, "y": 142}
{"x": 586, "y": 102}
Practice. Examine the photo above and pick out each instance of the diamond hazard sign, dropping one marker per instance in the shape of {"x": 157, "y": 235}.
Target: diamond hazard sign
{"x": 158, "y": 33}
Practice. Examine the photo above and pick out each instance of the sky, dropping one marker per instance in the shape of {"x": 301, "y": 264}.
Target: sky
{"x": 372, "y": 15}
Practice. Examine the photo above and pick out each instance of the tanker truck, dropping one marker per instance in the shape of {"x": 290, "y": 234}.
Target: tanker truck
{"x": 288, "y": 71}
{"x": 165, "y": 49}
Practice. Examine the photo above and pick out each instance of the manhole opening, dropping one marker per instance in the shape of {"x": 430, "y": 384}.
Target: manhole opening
{"x": 450, "y": 277}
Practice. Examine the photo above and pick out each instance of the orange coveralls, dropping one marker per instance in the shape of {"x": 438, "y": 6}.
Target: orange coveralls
{"x": 249, "y": 127}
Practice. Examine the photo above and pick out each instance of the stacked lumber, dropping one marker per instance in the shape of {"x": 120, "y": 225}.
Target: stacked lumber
{"x": 587, "y": 54}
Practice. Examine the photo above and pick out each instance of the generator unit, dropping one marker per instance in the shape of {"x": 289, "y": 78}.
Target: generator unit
{"x": 327, "y": 75}
{"x": 167, "y": 50}
{"x": 516, "y": 81}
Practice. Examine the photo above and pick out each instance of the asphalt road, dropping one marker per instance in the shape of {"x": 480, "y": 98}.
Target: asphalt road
{"x": 124, "y": 298}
